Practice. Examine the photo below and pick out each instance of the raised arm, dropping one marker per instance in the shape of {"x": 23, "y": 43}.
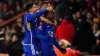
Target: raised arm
{"x": 38, "y": 14}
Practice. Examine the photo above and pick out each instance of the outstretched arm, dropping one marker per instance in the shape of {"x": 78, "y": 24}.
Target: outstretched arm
{"x": 58, "y": 46}
{"x": 38, "y": 14}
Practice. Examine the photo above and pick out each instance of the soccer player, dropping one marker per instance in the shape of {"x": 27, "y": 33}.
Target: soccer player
{"x": 31, "y": 21}
{"x": 45, "y": 33}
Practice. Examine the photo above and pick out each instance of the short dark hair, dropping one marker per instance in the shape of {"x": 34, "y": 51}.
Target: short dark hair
{"x": 29, "y": 5}
{"x": 46, "y": 3}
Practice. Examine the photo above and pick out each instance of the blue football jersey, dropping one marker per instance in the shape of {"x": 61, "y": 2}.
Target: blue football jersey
{"x": 47, "y": 39}
{"x": 30, "y": 24}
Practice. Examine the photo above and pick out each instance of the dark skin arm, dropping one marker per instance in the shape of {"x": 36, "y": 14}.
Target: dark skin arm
{"x": 48, "y": 21}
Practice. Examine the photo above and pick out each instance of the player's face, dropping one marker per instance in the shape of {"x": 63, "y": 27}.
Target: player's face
{"x": 35, "y": 8}
{"x": 50, "y": 15}
{"x": 49, "y": 5}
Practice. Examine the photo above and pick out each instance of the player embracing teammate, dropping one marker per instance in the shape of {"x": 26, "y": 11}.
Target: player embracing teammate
{"x": 35, "y": 35}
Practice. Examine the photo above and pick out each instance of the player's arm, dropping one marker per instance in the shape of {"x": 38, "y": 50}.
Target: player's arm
{"x": 37, "y": 14}
{"x": 58, "y": 46}
{"x": 47, "y": 21}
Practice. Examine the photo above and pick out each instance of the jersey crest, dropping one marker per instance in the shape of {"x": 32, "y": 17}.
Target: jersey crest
{"x": 28, "y": 26}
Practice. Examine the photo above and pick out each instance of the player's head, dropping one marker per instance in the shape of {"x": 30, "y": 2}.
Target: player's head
{"x": 46, "y": 4}
{"x": 32, "y": 7}
{"x": 50, "y": 15}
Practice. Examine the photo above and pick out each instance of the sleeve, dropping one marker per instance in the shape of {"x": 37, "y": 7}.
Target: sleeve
{"x": 58, "y": 46}
{"x": 38, "y": 14}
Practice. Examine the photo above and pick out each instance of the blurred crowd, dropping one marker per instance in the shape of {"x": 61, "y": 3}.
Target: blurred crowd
{"x": 78, "y": 23}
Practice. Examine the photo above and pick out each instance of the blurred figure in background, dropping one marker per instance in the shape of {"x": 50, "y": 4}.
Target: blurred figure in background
{"x": 2, "y": 38}
{"x": 97, "y": 18}
{"x": 74, "y": 21}
{"x": 18, "y": 27}
{"x": 15, "y": 48}
{"x": 65, "y": 31}
{"x": 96, "y": 31}
{"x": 84, "y": 38}
{"x": 89, "y": 18}
{"x": 79, "y": 19}
{"x": 62, "y": 11}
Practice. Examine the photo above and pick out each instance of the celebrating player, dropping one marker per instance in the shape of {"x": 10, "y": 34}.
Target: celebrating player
{"x": 30, "y": 24}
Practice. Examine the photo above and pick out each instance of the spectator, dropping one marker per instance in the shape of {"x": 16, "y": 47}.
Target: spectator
{"x": 97, "y": 19}
{"x": 74, "y": 21}
{"x": 5, "y": 7}
{"x": 96, "y": 7}
{"x": 15, "y": 47}
{"x": 89, "y": 4}
{"x": 65, "y": 31}
{"x": 0, "y": 5}
{"x": 62, "y": 10}
{"x": 10, "y": 15}
{"x": 96, "y": 31}
{"x": 77, "y": 6}
{"x": 1, "y": 13}
{"x": 18, "y": 9}
{"x": 18, "y": 28}
{"x": 2, "y": 39}
{"x": 84, "y": 39}
{"x": 79, "y": 20}
{"x": 89, "y": 18}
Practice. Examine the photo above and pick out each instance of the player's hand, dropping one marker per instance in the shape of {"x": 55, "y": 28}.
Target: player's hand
{"x": 55, "y": 23}
{"x": 63, "y": 51}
